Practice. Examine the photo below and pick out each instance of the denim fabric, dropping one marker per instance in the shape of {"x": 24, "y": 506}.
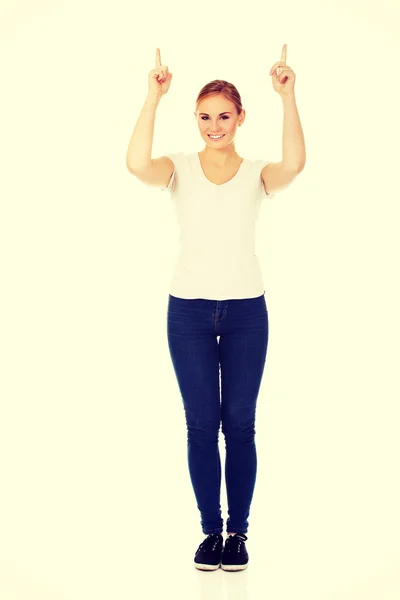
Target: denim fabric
{"x": 218, "y": 350}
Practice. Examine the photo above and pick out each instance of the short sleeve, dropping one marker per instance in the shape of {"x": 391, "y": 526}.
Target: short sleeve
{"x": 171, "y": 183}
{"x": 263, "y": 163}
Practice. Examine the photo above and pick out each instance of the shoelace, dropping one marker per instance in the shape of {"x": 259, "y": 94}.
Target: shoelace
{"x": 241, "y": 537}
{"x": 210, "y": 537}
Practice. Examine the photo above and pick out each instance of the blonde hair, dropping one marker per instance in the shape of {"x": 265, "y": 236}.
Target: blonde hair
{"x": 226, "y": 89}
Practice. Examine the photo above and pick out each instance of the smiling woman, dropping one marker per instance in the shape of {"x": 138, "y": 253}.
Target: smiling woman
{"x": 219, "y": 113}
{"x": 217, "y": 318}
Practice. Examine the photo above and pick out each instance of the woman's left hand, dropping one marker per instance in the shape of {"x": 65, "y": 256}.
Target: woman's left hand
{"x": 283, "y": 77}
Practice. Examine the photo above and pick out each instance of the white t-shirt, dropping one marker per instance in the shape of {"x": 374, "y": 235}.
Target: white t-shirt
{"x": 217, "y": 228}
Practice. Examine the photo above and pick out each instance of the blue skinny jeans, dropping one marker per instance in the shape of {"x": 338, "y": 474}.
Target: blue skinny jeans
{"x": 201, "y": 361}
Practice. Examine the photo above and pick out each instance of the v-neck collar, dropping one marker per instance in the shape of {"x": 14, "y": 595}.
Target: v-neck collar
{"x": 218, "y": 185}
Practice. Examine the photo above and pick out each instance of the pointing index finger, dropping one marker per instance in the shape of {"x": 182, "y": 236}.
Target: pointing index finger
{"x": 158, "y": 58}
{"x": 283, "y": 55}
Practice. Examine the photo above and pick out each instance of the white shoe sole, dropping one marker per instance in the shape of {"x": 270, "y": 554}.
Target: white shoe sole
{"x": 204, "y": 567}
{"x": 234, "y": 567}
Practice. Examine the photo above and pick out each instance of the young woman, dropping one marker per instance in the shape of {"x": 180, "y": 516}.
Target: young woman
{"x": 217, "y": 320}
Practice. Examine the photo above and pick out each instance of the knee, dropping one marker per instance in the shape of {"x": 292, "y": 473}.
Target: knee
{"x": 203, "y": 433}
{"x": 240, "y": 432}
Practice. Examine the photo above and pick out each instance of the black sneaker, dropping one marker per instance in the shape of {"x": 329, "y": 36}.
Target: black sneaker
{"x": 235, "y": 556}
{"x": 209, "y": 553}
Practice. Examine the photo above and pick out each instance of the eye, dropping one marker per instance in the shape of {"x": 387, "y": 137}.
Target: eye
{"x": 223, "y": 116}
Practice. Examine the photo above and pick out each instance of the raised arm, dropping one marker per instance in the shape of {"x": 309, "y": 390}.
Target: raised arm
{"x": 138, "y": 157}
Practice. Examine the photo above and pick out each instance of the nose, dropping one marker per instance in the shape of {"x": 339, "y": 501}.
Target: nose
{"x": 214, "y": 130}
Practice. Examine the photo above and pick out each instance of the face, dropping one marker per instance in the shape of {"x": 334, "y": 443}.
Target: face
{"x": 217, "y": 115}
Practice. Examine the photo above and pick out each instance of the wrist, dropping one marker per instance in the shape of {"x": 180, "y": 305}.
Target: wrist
{"x": 153, "y": 98}
{"x": 287, "y": 97}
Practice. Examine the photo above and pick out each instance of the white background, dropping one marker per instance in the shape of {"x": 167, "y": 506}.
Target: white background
{"x": 96, "y": 500}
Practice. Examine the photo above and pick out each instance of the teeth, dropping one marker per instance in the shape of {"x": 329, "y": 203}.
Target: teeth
{"x": 215, "y": 137}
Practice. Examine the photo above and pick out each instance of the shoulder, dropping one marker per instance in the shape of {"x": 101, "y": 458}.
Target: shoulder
{"x": 178, "y": 156}
{"x": 181, "y": 160}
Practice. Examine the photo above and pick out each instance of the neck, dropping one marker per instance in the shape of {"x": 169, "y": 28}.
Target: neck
{"x": 220, "y": 157}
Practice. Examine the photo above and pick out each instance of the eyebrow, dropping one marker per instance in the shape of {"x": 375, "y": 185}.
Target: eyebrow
{"x": 224, "y": 113}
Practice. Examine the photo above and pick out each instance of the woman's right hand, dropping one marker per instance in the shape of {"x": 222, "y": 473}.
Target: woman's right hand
{"x": 159, "y": 78}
